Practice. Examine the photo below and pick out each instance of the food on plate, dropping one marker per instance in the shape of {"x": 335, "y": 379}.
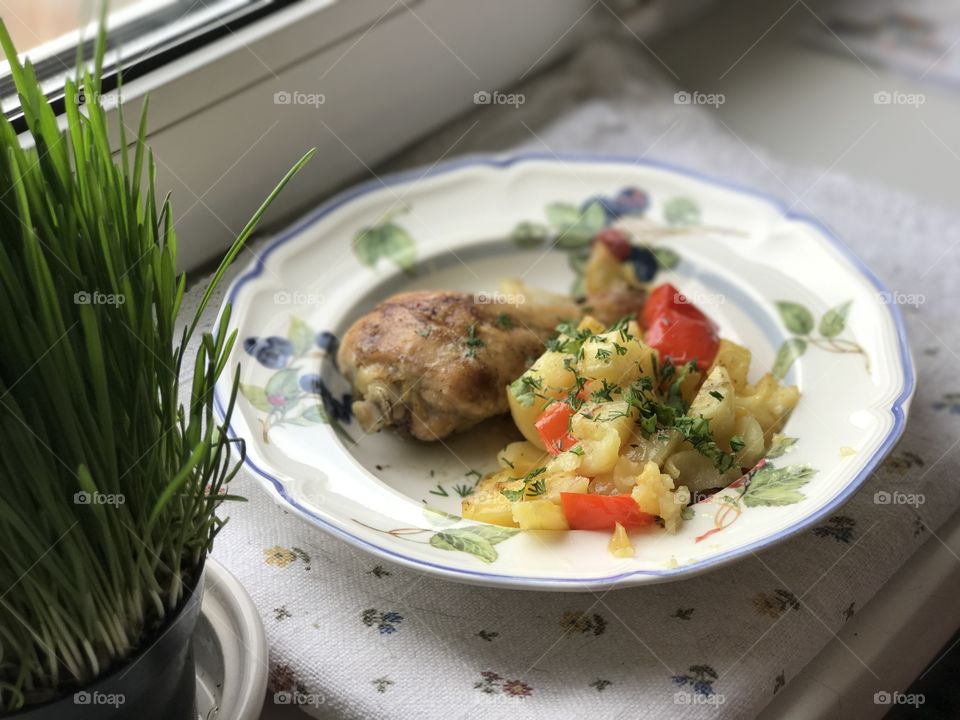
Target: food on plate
{"x": 432, "y": 363}
{"x": 624, "y": 424}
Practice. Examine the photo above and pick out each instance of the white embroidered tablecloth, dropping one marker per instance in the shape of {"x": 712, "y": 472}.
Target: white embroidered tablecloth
{"x": 355, "y": 637}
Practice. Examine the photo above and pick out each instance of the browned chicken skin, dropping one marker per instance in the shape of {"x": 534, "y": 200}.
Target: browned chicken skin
{"x": 432, "y": 363}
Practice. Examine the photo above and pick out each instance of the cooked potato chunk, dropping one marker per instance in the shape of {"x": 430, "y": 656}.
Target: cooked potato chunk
{"x": 769, "y": 402}
{"x": 564, "y": 482}
{"x": 487, "y": 504}
{"x": 715, "y": 402}
{"x": 736, "y": 360}
{"x": 600, "y": 437}
{"x": 521, "y": 457}
{"x": 698, "y": 472}
{"x": 658, "y": 447}
{"x": 749, "y": 431}
{"x": 603, "y": 272}
{"x": 548, "y": 379}
{"x": 617, "y": 358}
{"x": 539, "y": 515}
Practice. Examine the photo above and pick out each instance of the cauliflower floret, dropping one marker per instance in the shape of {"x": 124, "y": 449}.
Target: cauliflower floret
{"x": 654, "y": 493}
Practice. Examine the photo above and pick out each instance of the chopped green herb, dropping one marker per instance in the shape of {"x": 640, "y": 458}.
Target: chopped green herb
{"x": 696, "y": 430}
{"x": 577, "y": 450}
{"x": 737, "y": 443}
{"x": 668, "y": 371}
{"x": 717, "y": 394}
{"x": 613, "y": 415}
{"x": 533, "y": 485}
{"x": 504, "y": 321}
{"x": 620, "y": 326}
{"x": 621, "y": 349}
{"x": 525, "y": 388}
{"x": 604, "y": 394}
{"x": 674, "y": 394}
{"x": 472, "y": 342}
{"x": 569, "y": 340}
{"x": 537, "y": 487}
{"x": 603, "y": 354}
{"x": 575, "y": 396}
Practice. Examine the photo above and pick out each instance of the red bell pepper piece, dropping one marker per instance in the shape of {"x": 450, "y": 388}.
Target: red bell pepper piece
{"x": 554, "y": 428}
{"x": 585, "y": 511}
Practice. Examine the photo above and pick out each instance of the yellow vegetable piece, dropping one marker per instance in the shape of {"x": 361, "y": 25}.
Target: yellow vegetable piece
{"x": 521, "y": 457}
{"x": 564, "y": 482}
{"x": 620, "y": 545}
{"x": 546, "y": 379}
{"x": 769, "y": 402}
{"x": 600, "y": 441}
{"x": 603, "y": 272}
{"x": 488, "y": 507}
{"x": 715, "y": 401}
{"x": 736, "y": 360}
{"x": 654, "y": 494}
{"x": 487, "y": 504}
{"x": 539, "y": 514}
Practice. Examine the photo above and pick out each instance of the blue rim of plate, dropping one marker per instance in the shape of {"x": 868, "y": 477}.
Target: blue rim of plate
{"x": 898, "y": 409}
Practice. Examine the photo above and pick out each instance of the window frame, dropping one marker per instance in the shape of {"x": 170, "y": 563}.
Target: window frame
{"x": 142, "y": 30}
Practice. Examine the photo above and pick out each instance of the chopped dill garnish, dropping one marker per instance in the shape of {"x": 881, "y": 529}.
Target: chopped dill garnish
{"x": 472, "y": 342}
{"x": 525, "y": 388}
{"x": 575, "y": 396}
{"x": 696, "y": 430}
{"x": 504, "y": 322}
{"x": 573, "y": 339}
{"x": 533, "y": 485}
{"x": 604, "y": 394}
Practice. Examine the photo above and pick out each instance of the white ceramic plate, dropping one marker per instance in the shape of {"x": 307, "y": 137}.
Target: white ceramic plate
{"x": 774, "y": 281}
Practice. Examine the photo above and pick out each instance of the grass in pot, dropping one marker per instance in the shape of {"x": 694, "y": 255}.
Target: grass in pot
{"x": 110, "y": 484}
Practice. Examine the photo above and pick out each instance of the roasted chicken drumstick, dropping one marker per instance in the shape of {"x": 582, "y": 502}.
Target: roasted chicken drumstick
{"x": 432, "y": 363}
